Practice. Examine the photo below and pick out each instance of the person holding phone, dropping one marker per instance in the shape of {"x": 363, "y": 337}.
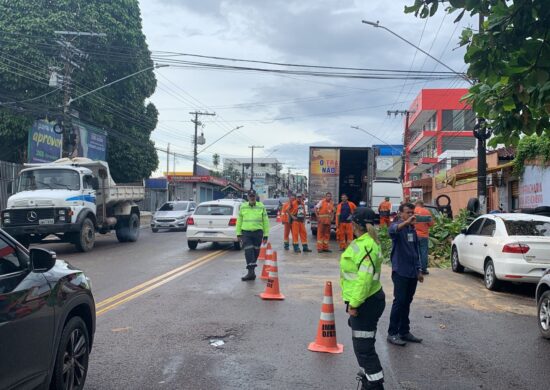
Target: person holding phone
{"x": 424, "y": 221}
{"x": 406, "y": 273}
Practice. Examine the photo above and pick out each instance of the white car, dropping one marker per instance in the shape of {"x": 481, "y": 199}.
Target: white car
{"x": 172, "y": 215}
{"x": 214, "y": 221}
{"x": 511, "y": 247}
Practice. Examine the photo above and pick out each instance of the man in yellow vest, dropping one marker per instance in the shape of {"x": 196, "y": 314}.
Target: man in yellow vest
{"x": 252, "y": 229}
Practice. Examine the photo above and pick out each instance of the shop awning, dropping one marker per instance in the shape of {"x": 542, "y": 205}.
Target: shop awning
{"x": 453, "y": 179}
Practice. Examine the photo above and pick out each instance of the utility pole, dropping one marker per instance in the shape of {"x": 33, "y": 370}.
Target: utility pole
{"x": 168, "y": 159}
{"x": 198, "y": 140}
{"x": 70, "y": 55}
{"x": 174, "y": 164}
{"x": 252, "y": 165}
{"x": 406, "y": 140}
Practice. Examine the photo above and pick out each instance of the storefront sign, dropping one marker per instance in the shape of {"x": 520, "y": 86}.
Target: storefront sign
{"x": 44, "y": 144}
{"x": 534, "y": 187}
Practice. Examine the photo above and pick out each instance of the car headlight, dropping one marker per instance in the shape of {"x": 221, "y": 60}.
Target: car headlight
{"x": 61, "y": 212}
{"x": 180, "y": 217}
{"x": 6, "y": 214}
{"x": 7, "y": 221}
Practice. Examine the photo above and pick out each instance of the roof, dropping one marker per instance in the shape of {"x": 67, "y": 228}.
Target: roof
{"x": 222, "y": 201}
{"x": 247, "y": 160}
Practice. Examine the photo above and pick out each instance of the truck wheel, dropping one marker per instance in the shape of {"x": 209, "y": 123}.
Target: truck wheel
{"x": 85, "y": 239}
{"x": 133, "y": 228}
{"x": 122, "y": 230}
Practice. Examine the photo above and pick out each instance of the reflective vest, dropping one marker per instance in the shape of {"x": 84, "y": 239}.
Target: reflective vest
{"x": 352, "y": 208}
{"x": 284, "y": 212}
{"x": 324, "y": 211}
{"x": 298, "y": 210}
{"x": 384, "y": 209}
{"x": 360, "y": 268}
{"x": 252, "y": 218}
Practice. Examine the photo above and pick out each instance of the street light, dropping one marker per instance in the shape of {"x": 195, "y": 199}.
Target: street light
{"x": 378, "y": 25}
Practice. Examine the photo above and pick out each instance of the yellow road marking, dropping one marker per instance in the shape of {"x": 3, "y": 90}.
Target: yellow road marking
{"x": 130, "y": 294}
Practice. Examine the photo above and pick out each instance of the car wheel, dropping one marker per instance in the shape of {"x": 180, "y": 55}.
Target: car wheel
{"x": 490, "y": 278}
{"x": 192, "y": 244}
{"x": 71, "y": 364}
{"x": 544, "y": 314}
{"x": 85, "y": 239}
{"x": 154, "y": 230}
{"x": 237, "y": 245}
{"x": 455, "y": 263}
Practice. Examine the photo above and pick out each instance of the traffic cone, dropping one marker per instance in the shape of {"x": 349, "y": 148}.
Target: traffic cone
{"x": 269, "y": 262}
{"x": 326, "y": 331}
{"x": 263, "y": 249}
{"x": 278, "y": 220}
{"x": 272, "y": 287}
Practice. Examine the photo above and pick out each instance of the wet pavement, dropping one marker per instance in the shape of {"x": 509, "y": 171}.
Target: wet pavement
{"x": 162, "y": 338}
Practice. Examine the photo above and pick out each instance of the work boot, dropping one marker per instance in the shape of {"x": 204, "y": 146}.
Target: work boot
{"x": 305, "y": 248}
{"x": 249, "y": 276}
{"x": 296, "y": 248}
{"x": 364, "y": 384}
{"x": 410, "y": 337}
{"x": 286, "y": 246}
{"x": 396, "y": 340}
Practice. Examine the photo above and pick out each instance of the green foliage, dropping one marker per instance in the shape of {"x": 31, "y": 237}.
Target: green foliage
{"x": 29, "y": 47}
{"x": 531, "y": 148}
{"x": 385, "y": 243}
{"x": 510, "y": 60}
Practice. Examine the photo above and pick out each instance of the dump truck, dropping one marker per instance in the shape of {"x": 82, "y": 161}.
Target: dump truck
{"x": 339, "y": 170}
{"x": 71, "y": 199}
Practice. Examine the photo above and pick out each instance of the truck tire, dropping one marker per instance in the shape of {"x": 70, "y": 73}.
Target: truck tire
{"x": 133, "y": 228}
{"x": 85, "y": 239}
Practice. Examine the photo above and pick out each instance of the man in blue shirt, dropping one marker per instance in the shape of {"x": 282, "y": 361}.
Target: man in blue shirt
{"x": 406, "y": 273}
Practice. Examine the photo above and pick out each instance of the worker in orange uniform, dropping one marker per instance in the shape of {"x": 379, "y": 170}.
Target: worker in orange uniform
{"x": 344, "y": 213}
{"x": 424, "y": 221}
{"x": 384, "y": 210}
{"x": 324, "y": 210}
{"x": 297, "y": 217}
{"x": 286, "y": 221}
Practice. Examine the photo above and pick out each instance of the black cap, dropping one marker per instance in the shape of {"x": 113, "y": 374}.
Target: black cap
{"x": 251, "y": 193}
{"x": 363, "y": 215}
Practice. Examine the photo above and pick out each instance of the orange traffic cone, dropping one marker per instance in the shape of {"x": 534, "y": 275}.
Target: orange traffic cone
{"x": 263, "y": 249}
{"x": 326, "y": 331}
{"x": 278, "y": 217}
{"x": 272, "y": 287}
{"x": 269, "y": 262}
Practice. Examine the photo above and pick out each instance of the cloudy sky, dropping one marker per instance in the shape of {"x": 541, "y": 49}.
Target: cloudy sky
{"x": 288, "y": 113}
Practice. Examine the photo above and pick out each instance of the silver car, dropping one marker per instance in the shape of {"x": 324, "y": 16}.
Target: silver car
{"x": 172, "y": 216}
{"x": 543, "y": 304}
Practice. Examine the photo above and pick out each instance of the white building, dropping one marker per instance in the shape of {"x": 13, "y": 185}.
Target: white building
{"x": 268, "y": 180}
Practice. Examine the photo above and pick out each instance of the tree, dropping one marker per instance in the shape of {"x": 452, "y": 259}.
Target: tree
{"x": 509, "y": 59}
{"x": 28, "y": 46}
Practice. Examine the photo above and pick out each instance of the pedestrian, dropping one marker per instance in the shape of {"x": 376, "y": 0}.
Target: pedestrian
{"x": 252, "y": 229}
{"x": 286, "y": 222}
{"x": 360, "y": 269}
{"x": 297, "y": 216}
{"x": 423, "y": 233}
{"x": 384, "y": 210}
{"x": 324, "y": 210}
{"x": 344, "y": 213}
{"x": 406, "y": 273}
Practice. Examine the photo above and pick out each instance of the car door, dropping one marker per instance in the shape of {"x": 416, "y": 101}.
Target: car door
{"x": 26, "y": 320}
{"x": 465, "y": 250}
{"x": 483, "y": 242}
{"x": 478, "y": 250}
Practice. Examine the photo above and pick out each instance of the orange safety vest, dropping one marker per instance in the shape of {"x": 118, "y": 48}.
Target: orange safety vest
{"x": 384, "y": 208}
{"x": 324, "y": 213}
{"x": 298, "y": 210}
{"x": 352, "y": 208}
{"x": 284, "y": 212}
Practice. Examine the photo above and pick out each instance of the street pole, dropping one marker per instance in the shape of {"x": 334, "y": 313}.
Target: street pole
{"x": 252, "y": 165}
{"x": 195, "y": 139}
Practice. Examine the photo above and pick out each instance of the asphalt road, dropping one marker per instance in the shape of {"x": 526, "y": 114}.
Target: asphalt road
{"x": 160, "y": 305}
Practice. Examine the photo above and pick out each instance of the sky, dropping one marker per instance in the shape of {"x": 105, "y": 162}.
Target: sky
{"x": 288, "y": 113}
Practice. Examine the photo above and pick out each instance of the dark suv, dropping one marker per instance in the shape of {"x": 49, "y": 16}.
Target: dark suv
{"x": 47, "y": 320}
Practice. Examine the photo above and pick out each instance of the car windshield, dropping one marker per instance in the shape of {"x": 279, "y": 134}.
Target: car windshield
{"x": 271, "y": 202}
{"x": 527, "y": 228}
{"x": 180, "y": 206}
{"x": 214, "y": 209}
{"x": 49, "y": 179}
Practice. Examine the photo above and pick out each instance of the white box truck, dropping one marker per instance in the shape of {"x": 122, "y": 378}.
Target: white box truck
{"x": 72, "y": 199}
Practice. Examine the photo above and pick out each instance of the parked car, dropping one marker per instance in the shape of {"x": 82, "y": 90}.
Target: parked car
{"x": 511, "y": 247}
{"x": 47, "y": 319}
{"x": 543, "y": 304}
{"x": 214, "y": 221}
{"x": 172, "y": 215}
{"x": 272, "y": 206}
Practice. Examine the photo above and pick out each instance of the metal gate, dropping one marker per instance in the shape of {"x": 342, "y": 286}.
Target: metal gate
{"x": 8, "y": 181}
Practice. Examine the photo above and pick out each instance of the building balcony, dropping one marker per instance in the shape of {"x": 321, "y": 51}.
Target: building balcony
{"x": 422, "y": 165}
{"x": 421, "y": 140}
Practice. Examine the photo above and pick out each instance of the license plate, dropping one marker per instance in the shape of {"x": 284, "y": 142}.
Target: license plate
{"x": 164, "y": 224}
{"x": 49, "y": 221}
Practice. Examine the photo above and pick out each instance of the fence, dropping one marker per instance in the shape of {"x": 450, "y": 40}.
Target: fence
{"x": 8, "y": 181}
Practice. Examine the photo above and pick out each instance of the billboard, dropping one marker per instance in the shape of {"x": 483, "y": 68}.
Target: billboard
{"x": 44, "y": 144}
{"x": 324, "y": 172}
{"x": 388, "y": 166}
{"x": 534, "y": 187}
{"x": 91, "y": 142}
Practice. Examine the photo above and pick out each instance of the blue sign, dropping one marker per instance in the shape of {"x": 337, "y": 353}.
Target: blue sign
{"x": 44, "y": 144}
{"x": 91, "y": 142}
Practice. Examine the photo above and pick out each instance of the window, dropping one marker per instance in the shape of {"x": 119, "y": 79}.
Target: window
{"x": 458, "y": 120}
{"x": 474, "y": 227}
{"x": 214, "y": 209}
{"x": 88, "y": 182}
{"x": 179, "y": 206}
{"x": 488, "y": 228}
{"x": 9, "y": 262}
{"x": 431, "y": 124}
{"x": 49, "y": 179}
{"x": 527, "y": 228}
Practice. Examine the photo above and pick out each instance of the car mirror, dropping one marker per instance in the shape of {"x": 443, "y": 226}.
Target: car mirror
{"x": 95, "y": 183}
{"x": 42, "y": 260}
{"x": 192, "y": 209}
{"x": 464, "y": 231}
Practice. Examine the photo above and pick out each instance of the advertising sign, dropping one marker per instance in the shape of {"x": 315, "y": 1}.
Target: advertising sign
{"x": 91, "y": 142}
{"x": 44, "y": 144}
{"x": 324, "y": 172}
{"x": 534, "y": 187}
{"x": 260, "y": 187}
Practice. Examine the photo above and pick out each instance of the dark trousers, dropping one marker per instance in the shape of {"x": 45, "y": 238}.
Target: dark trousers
{"x": 403, "y": 293}
{"x": 363, "y": 329}
{"x": 423, "y": 244}
{"x": 251, "y": 244}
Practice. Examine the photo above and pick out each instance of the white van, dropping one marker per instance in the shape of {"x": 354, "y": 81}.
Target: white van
{"x": 383, "y": 188}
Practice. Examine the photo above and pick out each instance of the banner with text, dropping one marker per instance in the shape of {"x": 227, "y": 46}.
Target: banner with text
{"x": 324, "y": 172}
{"x": 534, "y": 187}
{"x": 44, "y": 144}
